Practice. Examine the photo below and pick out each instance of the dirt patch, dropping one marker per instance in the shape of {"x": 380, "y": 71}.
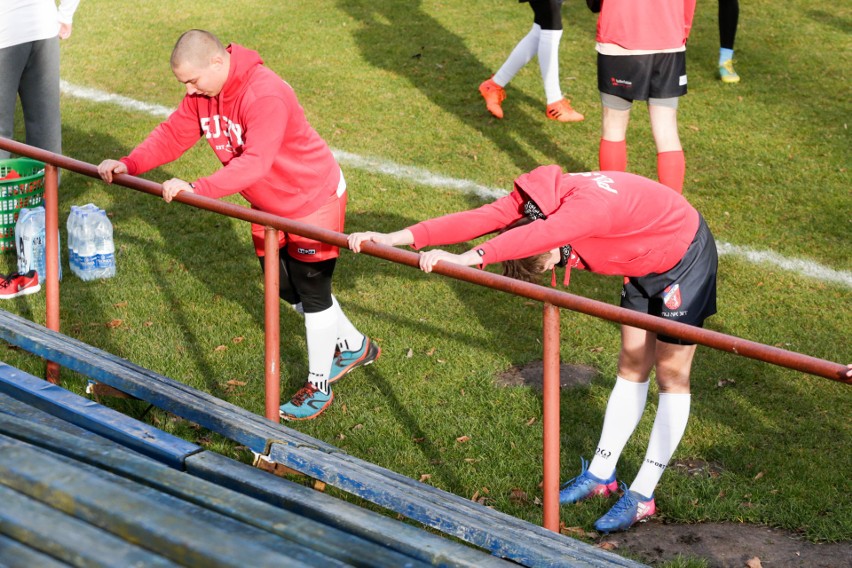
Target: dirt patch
{"x": 720, "y": 545}
{"x": 726, "y": 545}
{"x": 532, "y": 375}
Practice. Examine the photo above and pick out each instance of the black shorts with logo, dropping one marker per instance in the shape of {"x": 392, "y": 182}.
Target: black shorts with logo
{"x": 640, "y": 77}
{"x": 686, "y": 293}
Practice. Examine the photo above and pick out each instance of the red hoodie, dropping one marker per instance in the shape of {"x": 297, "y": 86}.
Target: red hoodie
{"x": 258, "y": 130}
{"x": 645, "y": 24}
{"x": 617, "y": 223}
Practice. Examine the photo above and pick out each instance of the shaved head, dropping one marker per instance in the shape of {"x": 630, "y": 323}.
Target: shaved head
{"x": 196, "y": 47}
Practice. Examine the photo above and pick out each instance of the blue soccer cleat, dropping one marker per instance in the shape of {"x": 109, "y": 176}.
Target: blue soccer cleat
{"x": 346, "y": 361}
{"x": 586, "y": 485}
{"x": 627, "y": 511}
{"x": 308, "y": 403}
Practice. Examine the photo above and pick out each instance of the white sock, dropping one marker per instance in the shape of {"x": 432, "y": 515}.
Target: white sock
{"x": 669, "y": 426}
{"x": 320, "y": 330}
{"x": 623, "y": 411}
{"x": 348, "y": 338}
{"x": 520, "y": 56}
{"x": 548, "y": 60}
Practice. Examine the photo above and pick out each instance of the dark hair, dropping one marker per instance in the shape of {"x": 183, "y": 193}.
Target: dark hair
{"x": 527, "y": 269}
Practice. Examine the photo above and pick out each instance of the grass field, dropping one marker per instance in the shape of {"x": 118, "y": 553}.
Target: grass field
{"x": 395, "y": 83}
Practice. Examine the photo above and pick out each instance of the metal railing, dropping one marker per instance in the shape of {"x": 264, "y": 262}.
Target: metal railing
{"x": 552, "y": 300}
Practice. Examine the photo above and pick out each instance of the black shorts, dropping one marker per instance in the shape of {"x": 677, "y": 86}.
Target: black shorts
{"x": 640, "y": 77}
{"x": 686, "y": 293}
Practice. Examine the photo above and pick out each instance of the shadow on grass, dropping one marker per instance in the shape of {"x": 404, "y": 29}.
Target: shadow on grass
{"x": 404, "y": 39}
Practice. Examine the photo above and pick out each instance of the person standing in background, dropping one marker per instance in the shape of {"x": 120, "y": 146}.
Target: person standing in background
{"x": 542, "y": 40}
{"x": 30, "y": 31}
{"x": 642, "y": 57}
{"x": 729, "y": 16}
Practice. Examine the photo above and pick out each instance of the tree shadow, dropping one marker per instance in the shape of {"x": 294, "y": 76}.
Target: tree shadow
{"x": 402, "y": 38}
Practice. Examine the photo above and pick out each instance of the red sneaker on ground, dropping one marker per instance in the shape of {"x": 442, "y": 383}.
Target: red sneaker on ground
{"x": 561, "y": 110}
{"x": 16, "y": 285}
{"x": 494, "y": 95}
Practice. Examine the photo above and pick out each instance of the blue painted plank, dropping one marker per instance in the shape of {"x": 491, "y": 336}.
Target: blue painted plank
{"x": 48, "y": 531}
{"x": 172, "y": 528}
{"x": 145, "y": 477}
{"x": 13, "y": 554}
{"x": 377, "y": 528}
{"x": 94, "y": 417}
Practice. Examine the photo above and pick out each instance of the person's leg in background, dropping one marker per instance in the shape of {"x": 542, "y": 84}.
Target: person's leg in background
{"x": 13, "y": 61}
{"x": 671, "y": 163}
{"x": 615, "y": 116}
{"x": 729, "y": 16}
{"x": 39, "y": 91}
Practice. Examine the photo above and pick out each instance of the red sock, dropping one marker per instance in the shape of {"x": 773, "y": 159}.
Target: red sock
{"x": 671, "y": 169}
{"x": 612, "y": 156}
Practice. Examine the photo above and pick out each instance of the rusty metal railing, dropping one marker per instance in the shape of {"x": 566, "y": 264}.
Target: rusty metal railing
{"x": 552, "y": 300}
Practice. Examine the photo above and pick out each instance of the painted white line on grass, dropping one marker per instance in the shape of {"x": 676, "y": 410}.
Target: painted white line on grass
{"x": 424, "y": 177}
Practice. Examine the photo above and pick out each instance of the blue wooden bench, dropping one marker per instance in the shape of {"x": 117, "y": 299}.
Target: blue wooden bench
{"x": 216, "y": 486}
{"x": 502, "y": 535}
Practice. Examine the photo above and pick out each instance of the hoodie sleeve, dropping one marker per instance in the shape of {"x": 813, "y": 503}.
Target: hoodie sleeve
{"x": 265, "y": 124}
{"x": 466, "y": 225}
{"x": 167, "y": 142}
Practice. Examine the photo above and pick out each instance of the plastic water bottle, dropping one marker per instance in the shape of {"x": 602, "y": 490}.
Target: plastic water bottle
{"x": 86, "y": 246}
{"x": 30, "y": 241}
{"x": 71, "y": 226}
{"x": 104, "y": 246}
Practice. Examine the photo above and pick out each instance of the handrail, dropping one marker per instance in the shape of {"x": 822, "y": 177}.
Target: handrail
{"x": 549, "y": 297}
{"x": 617, "y": 314}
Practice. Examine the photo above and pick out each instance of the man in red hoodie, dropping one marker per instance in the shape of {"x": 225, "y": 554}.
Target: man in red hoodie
{"x": 609, "y": 223}
{"x": 280, "y": 165}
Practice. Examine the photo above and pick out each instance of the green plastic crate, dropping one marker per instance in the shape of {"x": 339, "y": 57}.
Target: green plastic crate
{"x": 17, "y": 194}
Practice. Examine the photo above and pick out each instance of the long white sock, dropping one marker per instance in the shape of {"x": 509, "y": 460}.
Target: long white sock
{"x": 669, "y": 426}
{"x": 623, "y": 411}
{"x": 548, "y": 60}
{"x": 321, "y": 332}
{"x": 348, "y": 337}
{"x": 520, "y": 56}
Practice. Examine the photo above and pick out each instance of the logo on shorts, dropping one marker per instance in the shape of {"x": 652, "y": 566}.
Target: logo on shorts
{"x": 621, "y": 82}
{"x": 306, "y": 251}
{"x": 671, "y": 298}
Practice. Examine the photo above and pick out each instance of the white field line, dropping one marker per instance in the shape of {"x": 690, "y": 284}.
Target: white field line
{"x": 420, "y": 176}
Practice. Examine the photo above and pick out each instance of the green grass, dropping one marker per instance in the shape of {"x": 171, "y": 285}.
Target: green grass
{"x": 767, "y": 164}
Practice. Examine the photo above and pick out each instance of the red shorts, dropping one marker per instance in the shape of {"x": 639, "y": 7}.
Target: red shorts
{"x": 331, "y": 216}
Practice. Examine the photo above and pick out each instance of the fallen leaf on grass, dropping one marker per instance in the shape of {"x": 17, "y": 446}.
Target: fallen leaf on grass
{"x": 725, "y": 382}
{"x": 236, "y": 383}
{"x": 319, "y": 486}
{"x": 148, "y": 324}
{"x": 221, "y": 348}
{"x": 430, "y": 352}
{"x": 608, "y": 545}
{"x": 759, "y": 475}
{"x": 120, "y": 305}
{"x": 575, "y": 531}
{"x": 531, "y": 421}
{"x": 419, "y": 440}
{"x": 471, "y": 460}
{"x": 238, "y": 339}
{"x": 425, "y": 477}
{"x": 114, "y": 323}
{"x": 518, "y": 496}
{"x": 410, "y": 353}
{"x": 754, "y": 563}
{"x": 463, "y": 439}
{"x": 341, "y": 436}
{"x": 357, "y": 427}
{"x": 596, "y": 350}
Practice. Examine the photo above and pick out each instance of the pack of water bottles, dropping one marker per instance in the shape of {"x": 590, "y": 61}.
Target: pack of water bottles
{"x": 91, "y": 249}
{"x": 30, "y": 242}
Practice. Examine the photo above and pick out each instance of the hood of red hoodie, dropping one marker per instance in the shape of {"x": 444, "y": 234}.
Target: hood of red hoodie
{"x": 544, "y": 186}
{"x": 244, "y": 62}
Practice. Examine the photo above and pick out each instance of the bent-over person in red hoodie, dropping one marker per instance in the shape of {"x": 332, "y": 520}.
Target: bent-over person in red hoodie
{"x": 608, "y": 223}
{"x": 273, "y": 158}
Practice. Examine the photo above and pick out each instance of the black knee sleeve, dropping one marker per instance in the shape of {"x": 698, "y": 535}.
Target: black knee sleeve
{"x": 547, "y": 13}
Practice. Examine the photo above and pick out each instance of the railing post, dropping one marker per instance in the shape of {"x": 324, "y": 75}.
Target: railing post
{"x": 272, "y": 307}
{"x": 550, "y": 484}
{"x": 51, "y": 279}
